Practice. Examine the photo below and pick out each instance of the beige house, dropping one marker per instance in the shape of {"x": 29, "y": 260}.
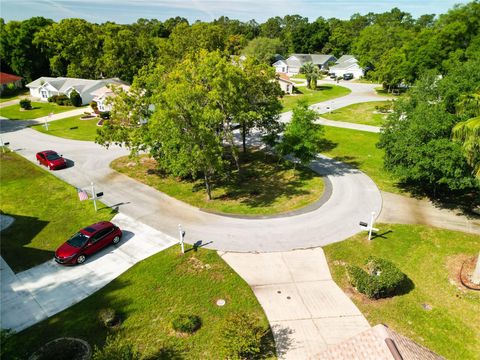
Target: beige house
{"x": 286, "y": 84}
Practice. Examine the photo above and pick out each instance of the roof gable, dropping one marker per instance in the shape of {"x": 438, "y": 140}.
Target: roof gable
{"x": 6, "y": 78}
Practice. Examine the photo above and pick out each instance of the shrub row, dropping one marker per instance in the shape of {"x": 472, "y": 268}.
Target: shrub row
{"x": 382, "y": 278}
{"x": 61, "y": 100}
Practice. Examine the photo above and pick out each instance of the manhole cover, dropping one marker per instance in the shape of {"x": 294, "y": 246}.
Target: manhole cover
{"x": 220, "y": 302}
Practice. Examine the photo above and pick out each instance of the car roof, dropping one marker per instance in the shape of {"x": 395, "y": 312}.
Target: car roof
{"x": 96, "y": 227}
{"x": 45, "y": 152}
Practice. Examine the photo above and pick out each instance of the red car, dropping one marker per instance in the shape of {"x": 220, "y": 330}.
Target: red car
{"x": 88, "y": 241}
{"x": 51, "y": 160}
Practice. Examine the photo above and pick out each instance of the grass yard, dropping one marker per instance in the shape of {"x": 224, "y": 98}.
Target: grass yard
{"x": 267, "y": 187}
{"x": 39, "y": 109}
{"x": 430, "y": 257}
{"x": 322, "y": 93}
{"x": 362, "y": 113}
{"x": 358, "y": 149}
{"x": 46, "y": 211}
{"x": 71, "y": 128}
{"x": 148, "y": 297}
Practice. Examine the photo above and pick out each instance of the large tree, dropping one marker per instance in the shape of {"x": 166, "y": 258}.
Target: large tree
{"x": 417, "y": 141}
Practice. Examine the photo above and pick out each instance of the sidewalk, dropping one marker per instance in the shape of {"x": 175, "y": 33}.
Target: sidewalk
{"x": 44, "y": 290}
{"x": 307, "y": 311}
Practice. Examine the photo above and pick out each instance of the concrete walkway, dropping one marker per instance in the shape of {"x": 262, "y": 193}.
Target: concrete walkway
{"x": 44, "y": 290}
{"x": 307, "y": 311}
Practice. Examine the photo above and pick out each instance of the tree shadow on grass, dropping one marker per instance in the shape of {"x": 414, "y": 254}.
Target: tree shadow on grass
{"x": 16, "y": 237}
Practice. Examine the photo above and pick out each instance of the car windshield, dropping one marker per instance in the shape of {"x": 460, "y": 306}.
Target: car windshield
{"x": 53, "y": 156}
{"x": 78, "y": 240}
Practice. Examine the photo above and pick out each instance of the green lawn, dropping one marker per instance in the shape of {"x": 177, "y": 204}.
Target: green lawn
{"x": 14, "y": 96}
{"x": 267, "y": 186}
{"x": 39, "y": 109}
{"x": 322, "y": 93}
{"x": 71, "y": 128}
{"x": 362, "y": 113}
{"x": 430, "y": 258}
{"x": 46, "y": 211}
{"x": 358, "y": 148}
{"x": 148, "y": 297}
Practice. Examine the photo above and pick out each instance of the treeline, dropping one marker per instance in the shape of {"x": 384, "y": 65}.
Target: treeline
{"x": 393, "y": 46}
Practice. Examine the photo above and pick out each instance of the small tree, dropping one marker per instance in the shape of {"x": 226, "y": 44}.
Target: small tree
{"x": 302, "y": 137}
{"x": 25, "y": 104}
{"x": 75, "y": 98}
{"x": 242, "y": 337}
{"x": 312, "y": 73}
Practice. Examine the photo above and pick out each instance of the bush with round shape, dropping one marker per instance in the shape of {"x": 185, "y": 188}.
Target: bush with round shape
{"x": 242, "y": 336}
{"x": 382, "y": 278}
{"x": 75, "y": 98}
{"x": 62, "y": 100}
{"x": 187, "y": 323}
{"x": 108, "y": 317}
{"x": 25, "y": 104}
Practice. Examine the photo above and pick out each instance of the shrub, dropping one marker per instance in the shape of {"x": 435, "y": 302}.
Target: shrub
{"x": 383, "y": 278}
{"x": 4, "y": 335}
{"x": 105, "y": 115}
{"x": 75, "y": 98}
{"x": 187, "y": 323}
{"x": 63, "y": 349}
{"x": 25, "y": 104}
{"x": 114, "y": 349}
{"x": 61, "y": 100}
{"x": 94, "y": 106}
{"x": 242, "y": 337}
{"x": 108, "y": 317}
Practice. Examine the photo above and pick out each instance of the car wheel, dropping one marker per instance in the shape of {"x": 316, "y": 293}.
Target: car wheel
{"x": 116, "y": 240}
{"x": 81, "y": 259}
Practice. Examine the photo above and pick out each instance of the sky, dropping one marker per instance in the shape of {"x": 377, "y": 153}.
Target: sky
{"x": 128, "y": 11}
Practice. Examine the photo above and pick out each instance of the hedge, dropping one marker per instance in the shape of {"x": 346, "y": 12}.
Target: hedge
{"x": 382, "y": 278}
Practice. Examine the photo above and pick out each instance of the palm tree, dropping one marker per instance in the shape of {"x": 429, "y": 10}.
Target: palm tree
{"x": 468, "y": 133}
{"x": 312, "y": 73}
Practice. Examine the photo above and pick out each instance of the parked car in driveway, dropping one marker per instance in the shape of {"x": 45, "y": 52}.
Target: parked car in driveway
{"x": 51, "y": 160}
{"x": 347, "y": 76}
{"x": 87, "y": 242}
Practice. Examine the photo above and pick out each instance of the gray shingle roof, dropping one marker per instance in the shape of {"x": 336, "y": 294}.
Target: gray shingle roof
{"x": 316, "y": 59}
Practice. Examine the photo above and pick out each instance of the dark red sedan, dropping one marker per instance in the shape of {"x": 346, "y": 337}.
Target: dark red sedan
{"x": 88, "y": 241}
{"x": 51, "y": 159}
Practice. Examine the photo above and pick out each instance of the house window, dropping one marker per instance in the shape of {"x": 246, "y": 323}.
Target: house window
{"x": 44, "y": 94}
{"x": 288, "y": 88}
{"x": 283, "y": 69}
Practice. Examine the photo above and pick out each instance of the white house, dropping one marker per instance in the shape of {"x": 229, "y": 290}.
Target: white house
{"x": 347, "y": 64}
{"x": 101, "y": 95}
{"x": 292, "y": 65}
{"x": 286, "y": 84}
{"x": 45, "y": 87}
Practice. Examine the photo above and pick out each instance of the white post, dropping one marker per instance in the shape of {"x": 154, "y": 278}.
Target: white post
{"x": 371, "y": 226}
{"x": 180, "y": 230}
{"x": 94, "y": 197}
{"x": 46, "y": 125}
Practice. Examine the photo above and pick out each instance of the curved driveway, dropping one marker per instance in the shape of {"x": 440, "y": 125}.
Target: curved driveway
{"x": 354, "y": 196}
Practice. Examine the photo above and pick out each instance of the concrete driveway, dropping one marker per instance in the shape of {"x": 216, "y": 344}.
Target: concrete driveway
{"x": 307, "y": 311}
{"x": 44, "y": 290}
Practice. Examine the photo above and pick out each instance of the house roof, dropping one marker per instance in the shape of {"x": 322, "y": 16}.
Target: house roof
{"x": 285, "y": 78}
{"x": 345, "y": 66}
{"x": 347, "y": 58}
{"x": 83, "y": 86}
{"x": 301, "y": 59}
{"x": 379, "y": 343}
{"x": 6, "y": 78}
{"x": 106, "y": 91}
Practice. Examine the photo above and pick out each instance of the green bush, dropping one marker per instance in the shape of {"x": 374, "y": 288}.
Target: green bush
{"x": 94, "y": 106}
{"x": 75, "y": 98}
{"x": 25, "y": 104}
{"x": 108, "y": 317}
{"x": 242, "y": 337}
{"x": 61, "y": 100}
{"x": 105, "y": 115}
{"x": 114, "y": 349}
{"x": 187, "y": 323}
{"x": 382, "y": 278}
